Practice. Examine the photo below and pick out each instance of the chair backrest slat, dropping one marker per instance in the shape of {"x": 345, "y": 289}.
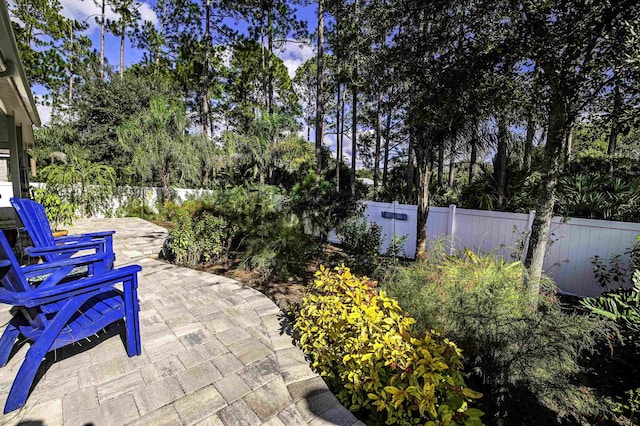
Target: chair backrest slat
{"x": 14, "y": 279}
{"x": 35, "y": 220}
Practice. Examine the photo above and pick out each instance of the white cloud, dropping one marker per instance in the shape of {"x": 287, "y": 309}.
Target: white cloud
{"x": 88, "y": 10}
{"x": 226, "y": 56}
{"x": 295, "y": 54}
{"x": 44, "y": 111}
{"x": 147, "y": 13}
{"x": 330, "y": 142}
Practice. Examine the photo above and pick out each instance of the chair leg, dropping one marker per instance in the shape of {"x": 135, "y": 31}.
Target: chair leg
{"x": 6, "y": 342}
{"x": 27, "y": 372}
{"x": 132, "y": 321}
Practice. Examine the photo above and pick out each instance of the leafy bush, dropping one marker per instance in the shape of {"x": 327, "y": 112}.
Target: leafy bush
{"x": 279, "y": 248}
{"x": 87, "y": 185}
{"x": 521, "y": 191}
{"x": 597, "y": 197}
{"x": 364, "y": 345}
{"x": 133, "y": 207}
{"x": 361, "y": 242}
{"x": 623, "y": 307}
{"x": 258, "y": 222}
{"x": 619, "y": 362}
{"x": 202, "y": 239}
{"x": 58, "y": 212}
{"x": 522, "y": 353}
{"x": 319, "y": 206}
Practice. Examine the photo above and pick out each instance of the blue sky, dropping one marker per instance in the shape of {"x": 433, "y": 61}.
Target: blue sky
{"x": 293, "y": 54}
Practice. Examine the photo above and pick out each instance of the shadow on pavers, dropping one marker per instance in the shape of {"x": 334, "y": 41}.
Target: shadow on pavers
{"x": 115, "y": 329}
{"x": 323, "y": 404}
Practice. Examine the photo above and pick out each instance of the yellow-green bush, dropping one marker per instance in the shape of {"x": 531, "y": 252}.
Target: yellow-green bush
{"x": 523, "y": 351}
{"x": 363, "y": 343}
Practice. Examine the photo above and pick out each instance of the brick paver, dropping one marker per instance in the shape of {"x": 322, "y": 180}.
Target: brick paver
{"x": 213, "y": 354}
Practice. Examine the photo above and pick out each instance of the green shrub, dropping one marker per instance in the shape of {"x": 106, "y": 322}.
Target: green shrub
{"x": 258, "y": 222}
{"x": 279, "y": 248}
{"x": 597, "y": 197}
{"x": 523, "y": 354}
{"x": 89, "y": 186}
{"x": 618, "y": 364}
{"x": 365, "y": 347}
{"x": 58, "y": 212}
{"x": 622, "y": 306}
{"x": 319, "y": 206}
{"x": 133, "y": 207}
{"x": 361, "y": 242}
{"x": 198, "y": 240}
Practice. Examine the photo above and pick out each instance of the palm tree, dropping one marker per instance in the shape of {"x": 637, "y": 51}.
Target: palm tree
{"x": 271, "y": 141}
{"x": 160, "y": 143}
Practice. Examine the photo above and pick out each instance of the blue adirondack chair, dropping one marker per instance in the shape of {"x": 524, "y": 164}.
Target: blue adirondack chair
{"x": 62, "y": 310}
{"x": 35, "y": 221}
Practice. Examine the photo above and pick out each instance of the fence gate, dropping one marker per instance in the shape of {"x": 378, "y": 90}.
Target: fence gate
{"x": 394, "y": 219}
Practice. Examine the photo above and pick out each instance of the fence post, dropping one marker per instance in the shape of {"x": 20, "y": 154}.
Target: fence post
{"x": 450, "y": 226}
{"x": 532, "y": 216}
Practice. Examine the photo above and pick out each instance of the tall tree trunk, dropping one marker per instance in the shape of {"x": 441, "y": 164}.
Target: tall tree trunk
{"x": 204, "y": 118}
{"x": 354, "y": 107}
{"x": 270, "y": 59}
{"x": 122, "y": 39}
{"x": 385, "y": 162}
{"x": 440, "y": 164}
{"x": 615, "y": 119}
{"x": 424, "y": 175}
{"x": 532, "y": 125}
{"x": 265, "y": 98}
{"x": 376, "y": 170}
{"x": 500, "y": 163}
{"x": 376, "y": 161}
{"x": 354, "y": 135}
{"x": 473, "y": 160}
{"x": 339, "y": 129}
{"x": 71, "y": 48}
{"x": 568, "y": 149}
{"x": 319, "y": 90}
{"x": 528, "y": 142}
{"x": 452, "y": 163}
{"x": 410, "y": 176}
{"x": 166, "y": 183}
{"x": 102, "y": 20}
{"x": 544, "y": 212}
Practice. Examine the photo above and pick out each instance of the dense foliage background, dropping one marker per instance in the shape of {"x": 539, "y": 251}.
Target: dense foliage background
{"x": 444, "y": 102}
{"x": 492, "y": 104}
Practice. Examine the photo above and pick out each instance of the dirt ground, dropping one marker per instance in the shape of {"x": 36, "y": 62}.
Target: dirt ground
{"x": 282, "y": 292}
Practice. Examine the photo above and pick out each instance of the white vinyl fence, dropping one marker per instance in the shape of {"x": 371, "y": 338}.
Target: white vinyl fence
{"x": 150, "y": 197}
{"x": 395, "y": 219}
{"x": 573, "y": 243}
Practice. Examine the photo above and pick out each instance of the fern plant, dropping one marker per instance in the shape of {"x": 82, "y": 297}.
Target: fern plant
{"x": 621, "y": 306}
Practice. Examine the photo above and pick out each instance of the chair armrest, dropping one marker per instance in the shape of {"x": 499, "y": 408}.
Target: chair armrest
{"x": 39, "y": 268}
{"x": 83, "y": 285}
{"x": 41, "y": 251}
{"x": 75, "y": 237}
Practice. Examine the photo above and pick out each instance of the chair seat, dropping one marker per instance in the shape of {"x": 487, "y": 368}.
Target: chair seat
{"x": 94, "y": 315}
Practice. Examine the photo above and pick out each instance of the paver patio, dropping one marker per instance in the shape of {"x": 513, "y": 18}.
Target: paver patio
{"x": 213, "y": 354}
